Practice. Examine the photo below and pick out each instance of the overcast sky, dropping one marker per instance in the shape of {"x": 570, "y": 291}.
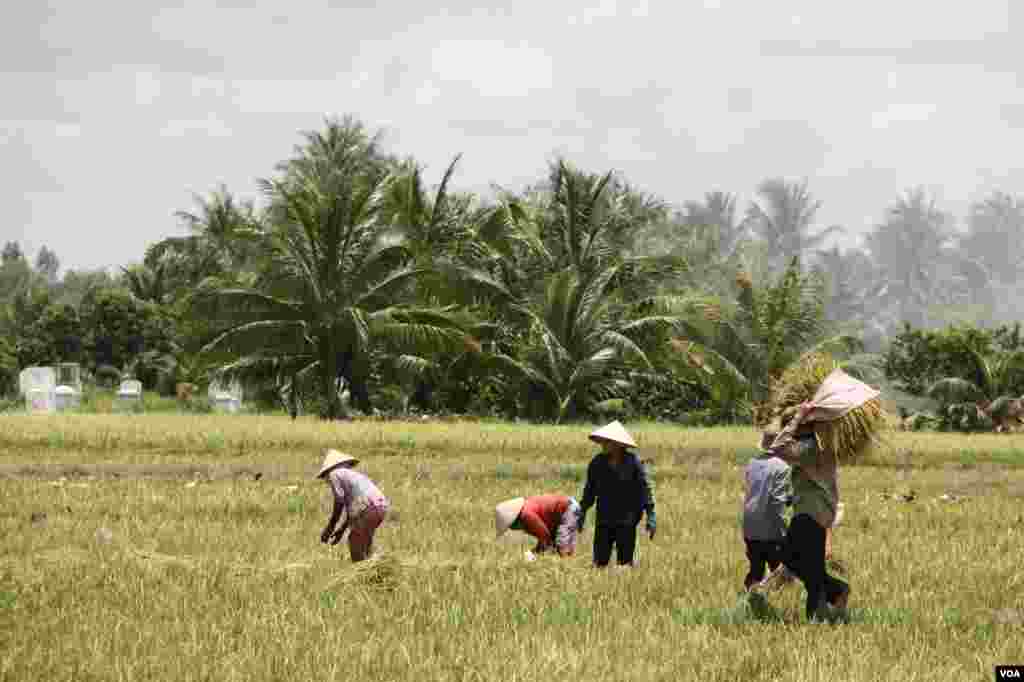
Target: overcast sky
{"x": 113, "y": 114}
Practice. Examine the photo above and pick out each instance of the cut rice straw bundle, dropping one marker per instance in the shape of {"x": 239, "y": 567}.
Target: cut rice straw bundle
{"x": 383, "y": 573}
{"x": 848, "y": 436}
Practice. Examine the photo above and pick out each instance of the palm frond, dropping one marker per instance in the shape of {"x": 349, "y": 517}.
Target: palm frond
{"x": 954, "y": 390}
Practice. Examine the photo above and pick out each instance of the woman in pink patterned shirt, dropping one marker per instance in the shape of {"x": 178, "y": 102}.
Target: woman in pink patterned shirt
{"x": 362, "y": 501}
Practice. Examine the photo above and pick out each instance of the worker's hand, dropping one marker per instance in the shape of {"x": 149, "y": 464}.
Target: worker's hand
{"x": 579, "y": 522}
{"x": 338, "y": 534}
{"x": 652, "y": 524}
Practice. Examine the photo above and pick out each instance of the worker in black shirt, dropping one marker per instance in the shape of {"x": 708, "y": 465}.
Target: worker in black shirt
{"x": 617, "y": 481}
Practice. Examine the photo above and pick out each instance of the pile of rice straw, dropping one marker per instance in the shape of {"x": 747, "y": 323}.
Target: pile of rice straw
{"x": 381, "y": 573}
{"x": 847, "y": 437}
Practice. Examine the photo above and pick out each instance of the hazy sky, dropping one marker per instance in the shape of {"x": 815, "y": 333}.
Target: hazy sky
{"x": 113, "y": 114}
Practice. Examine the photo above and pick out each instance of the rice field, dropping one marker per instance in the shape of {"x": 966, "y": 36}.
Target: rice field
{"x": 186, "y": 548}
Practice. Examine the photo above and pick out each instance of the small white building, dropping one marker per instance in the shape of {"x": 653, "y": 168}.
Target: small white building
{"x": 68, "y": 394}
{"x": 66, "y": 398}
{"x": 38, "y": 385}
{"x": 129, "y": 395}
{"x": 226, "y": 398}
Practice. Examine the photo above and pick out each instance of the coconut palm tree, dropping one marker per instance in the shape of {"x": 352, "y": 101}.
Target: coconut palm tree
{"x": 219, "y": 240}
{"x": 585, "y": 221}
{"x": 148, "y": 283}
{"x": 718, "y": 214}
{"x": 844, "y": 299}
{"x": 736, "y": 348}
{"x": 784, "y": 219}
{"x": 335, "y": 285}
{"x": 995, "y": 230}
{"x": 430, "y": 226}
{"x": 907, "y": 246}
{"x": 582, "y": 342}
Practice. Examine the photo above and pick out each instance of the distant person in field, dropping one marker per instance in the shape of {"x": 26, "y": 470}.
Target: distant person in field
{"x": 362, "y": 502}
{"x": 815, "y": 508}
{"x": 617, "y": 481}
{"x": 551, "y": 519}
{"x": 768, "y": 491}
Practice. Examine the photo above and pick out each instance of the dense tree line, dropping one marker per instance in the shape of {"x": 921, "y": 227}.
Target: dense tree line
{"x": 355, "y": 284}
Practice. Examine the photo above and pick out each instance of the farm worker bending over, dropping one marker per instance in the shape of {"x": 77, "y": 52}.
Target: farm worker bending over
{"x": 816, "y": 492}
{"x": 767, "y": 494}
{"x": 552, "y": 519}
{"x": 364, "y": 505}
{"x": 617, "y": 480}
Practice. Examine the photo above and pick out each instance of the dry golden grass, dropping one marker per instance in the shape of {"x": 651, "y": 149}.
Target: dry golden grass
{"x": 161, "y": 555}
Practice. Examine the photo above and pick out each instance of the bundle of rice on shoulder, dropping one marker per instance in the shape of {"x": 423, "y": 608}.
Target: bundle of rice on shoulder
{"x": 816, "y": 397}
{"x": 826, "y": 417}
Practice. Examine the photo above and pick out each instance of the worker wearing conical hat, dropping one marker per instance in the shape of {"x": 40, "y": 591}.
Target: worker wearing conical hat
{"x": 617, "y": 481}
{"x": 362, "y": 501}
{"x": 552, "y": 519}
{"x": 815, "y": 507}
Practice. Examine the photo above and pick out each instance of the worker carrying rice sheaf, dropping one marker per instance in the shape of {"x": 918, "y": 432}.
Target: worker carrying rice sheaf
{"x": 816, "y": 498}
{"x": 617, "y": 481}
{"x": 836, "y": 423}
{"x": 551, "y": 519}
{"x": 363, "y": 503}
{"x": 768, "y": 491}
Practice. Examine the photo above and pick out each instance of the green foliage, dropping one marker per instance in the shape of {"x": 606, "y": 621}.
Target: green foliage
{"x": 917, "y": 358}
{"x": 120, "y": 328}
{"x": 357, "y": 279}
{"x": 961, "y": 368}
{"x": 15, "y": 273}
{"x": 666, "y": 395}
{"x": 333, "y": 286}
{"x": 45, "y": 332}
{"x": 581, "y": 342}
{"x": 8, "y": 368}
{"x": 735, "y": 348}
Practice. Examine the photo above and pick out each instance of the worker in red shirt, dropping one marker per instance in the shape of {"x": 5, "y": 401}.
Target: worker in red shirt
{"x": 552, "y": 519}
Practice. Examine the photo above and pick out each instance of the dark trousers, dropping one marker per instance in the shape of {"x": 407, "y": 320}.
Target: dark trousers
{"x": 622, "y": 537}
{"x": 804, "y": 555}
{"x": 759, "y": 553}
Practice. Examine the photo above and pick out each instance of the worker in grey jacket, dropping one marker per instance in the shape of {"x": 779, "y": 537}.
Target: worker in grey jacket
{"x": 768, "y": 493}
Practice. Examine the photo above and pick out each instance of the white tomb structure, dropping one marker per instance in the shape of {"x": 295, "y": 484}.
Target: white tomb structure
{"x": 226, "y": 397}
{"x": 69, "y": 386}
{"x": 38, "y": 385}
{"x": 129, "y": 394}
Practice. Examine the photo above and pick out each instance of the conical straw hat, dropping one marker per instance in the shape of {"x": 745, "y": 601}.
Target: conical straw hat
{"x": 334, "y": 458}
{"x": 506, "y": 513}
{"x": 616, "y": 433}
